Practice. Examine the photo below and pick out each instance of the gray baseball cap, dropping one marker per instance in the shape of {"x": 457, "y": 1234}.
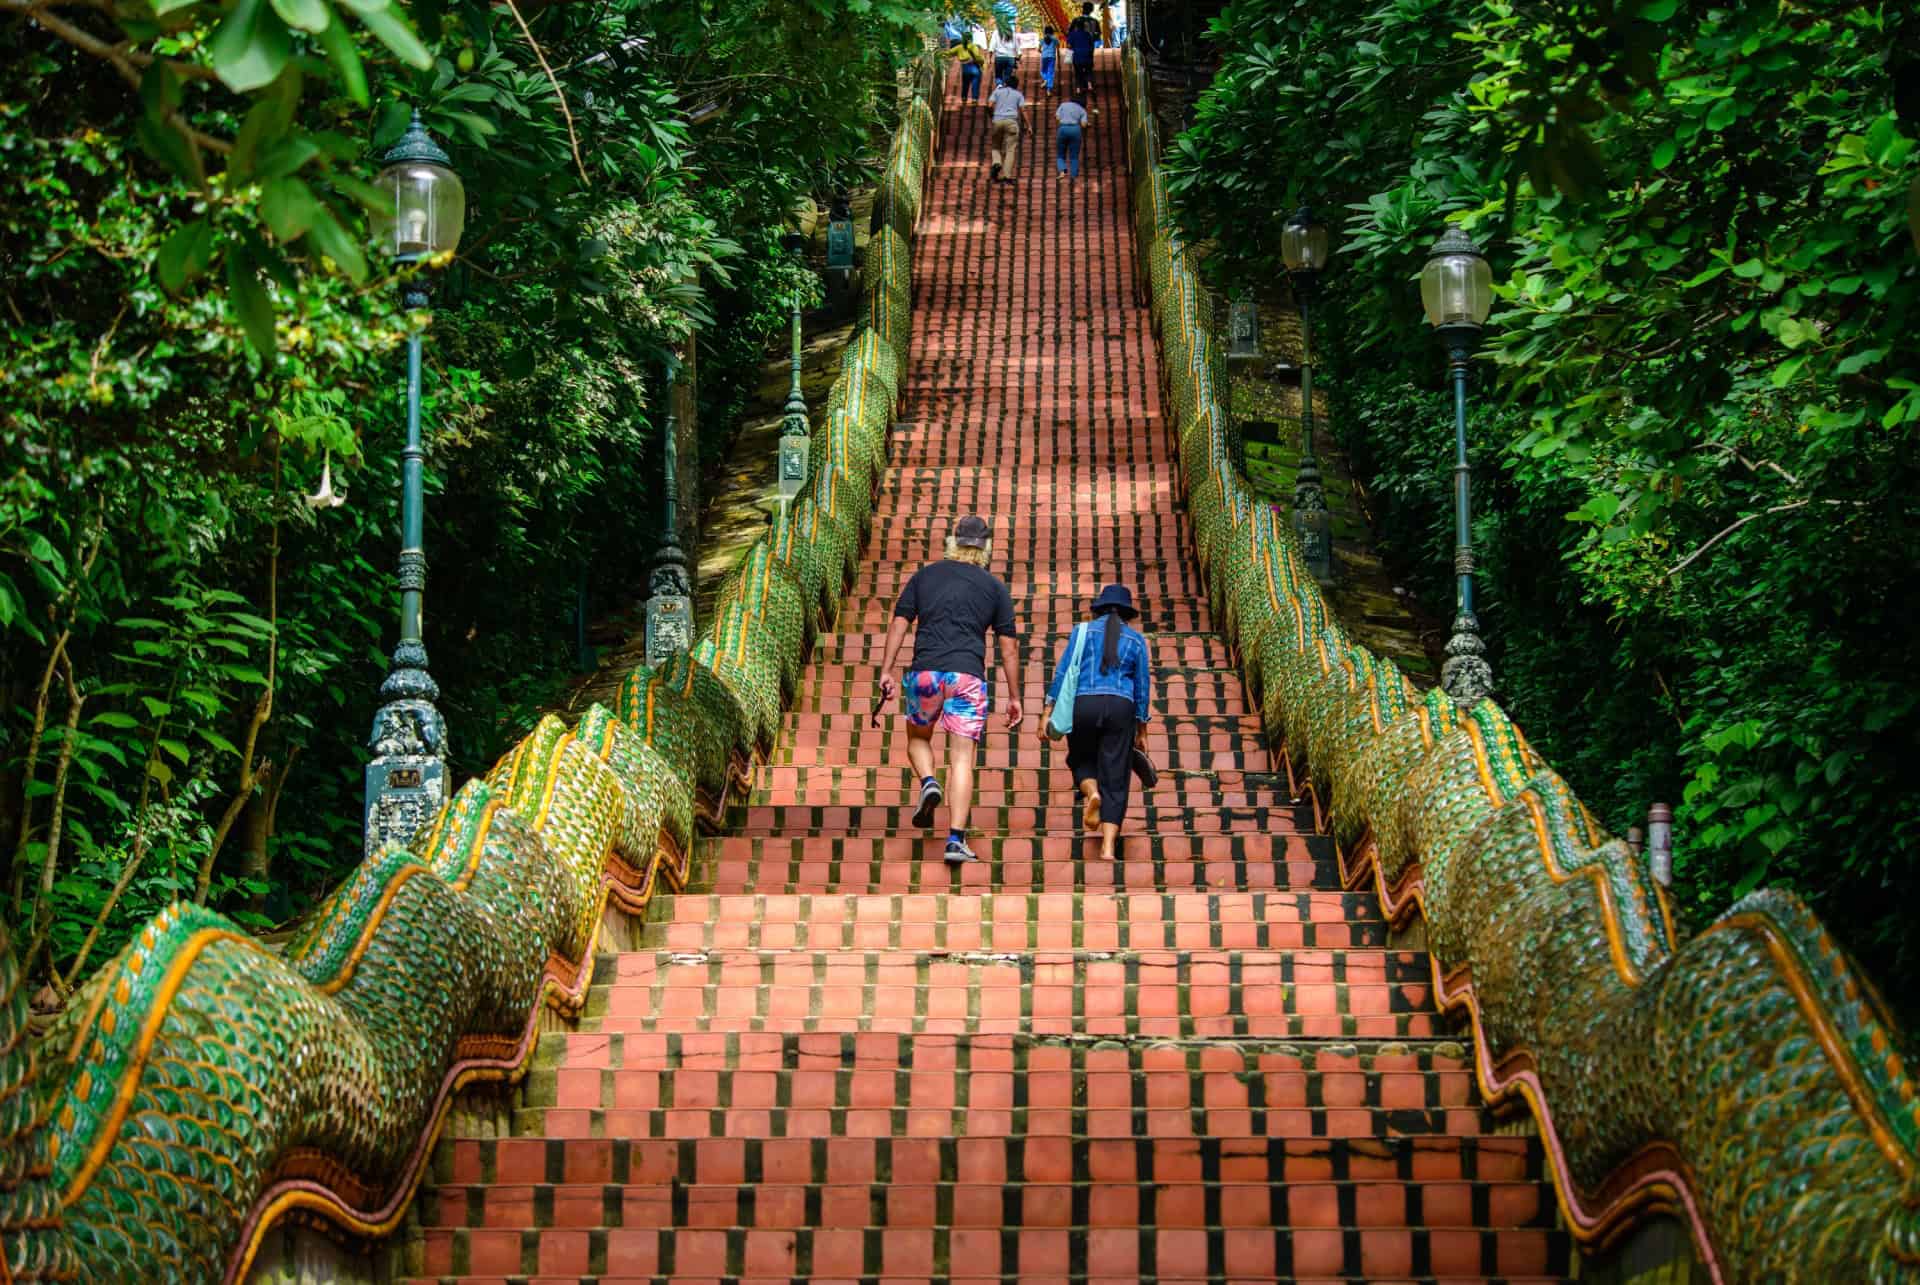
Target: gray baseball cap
{"x": 971, "y": 532}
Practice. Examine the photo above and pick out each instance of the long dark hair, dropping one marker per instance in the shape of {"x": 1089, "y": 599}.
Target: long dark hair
{"x": 1110, "y": 642}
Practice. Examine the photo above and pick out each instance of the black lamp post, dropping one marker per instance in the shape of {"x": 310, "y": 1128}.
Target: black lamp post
{"x": 406, "y": 781}
{"x": 1303, "y": 248}
{"x": 670, "y": 587}
{"x": 1456, "y": 287}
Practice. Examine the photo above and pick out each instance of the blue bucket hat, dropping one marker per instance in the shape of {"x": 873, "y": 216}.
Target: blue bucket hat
{"x": 1119, "y": 598}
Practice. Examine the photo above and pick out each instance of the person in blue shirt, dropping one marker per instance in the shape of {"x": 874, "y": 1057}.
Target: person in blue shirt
{"x": 1111, "y": 707}
{"x": 1049, "y": 57}
{"x": 1082, "y": 36}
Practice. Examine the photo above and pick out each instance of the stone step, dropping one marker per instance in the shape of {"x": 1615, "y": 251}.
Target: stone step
{"x": 1353, "y": 1068}
{"x": 849, "y": 707}
{"x": 1180, "y": 631}
{"x": 1128, "y": 1276}
{"x": 837, "y": 860}
{"x": 1063, "y": 548}
{"x": 1218, "y": 735}
{"x": 1019, "y": 758}
{"x": 574, "y": 1117}
{"x": 792, "y": 1205}
{"x": 1120, "y": 1249}
{"x": 881, "y": 777}
{"x": 1375, "y": 994}
{"x": 786, "y": 1085}
{"x": 1070, "y": 515}
{"x": 1448, "y": 1158}
{"x": 1021, "y": 452}
{"x": 839, "y": 659}
{"x": 1187, "y": 745}
{"x": 1186, "y": 690}
{"x": 855, "y": 656}
{"x": 1017, "y": 922}
{"x": 1151, "y": 824}
{"x": 1170, "y": 600}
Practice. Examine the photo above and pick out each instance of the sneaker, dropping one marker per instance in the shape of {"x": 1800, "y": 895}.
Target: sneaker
{"x": 930, "y": 797}
{"x": 959, "y": 854}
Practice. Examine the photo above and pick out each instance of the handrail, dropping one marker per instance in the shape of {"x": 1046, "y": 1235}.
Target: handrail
{"x": 1746, "y": 1080}
{"x": 202, "y": 1087}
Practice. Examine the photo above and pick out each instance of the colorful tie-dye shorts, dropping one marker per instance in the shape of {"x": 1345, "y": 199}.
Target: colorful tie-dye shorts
{"x": 957, "y": 702}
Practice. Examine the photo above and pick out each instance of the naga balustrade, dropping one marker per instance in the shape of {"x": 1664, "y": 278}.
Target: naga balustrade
{"x": 201, "y": 1087}
{"x": 1747, "y": 1080}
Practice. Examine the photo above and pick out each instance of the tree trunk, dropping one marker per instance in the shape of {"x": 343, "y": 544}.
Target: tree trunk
{"x": 256, "y": 830}
{"x": 50, "y": 866}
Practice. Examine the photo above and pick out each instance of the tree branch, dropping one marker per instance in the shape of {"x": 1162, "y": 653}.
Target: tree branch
{"x": 136, "y": 853}
{"x": 55, "y": 655}
{"x": 251, "y": 772}
{"x": 572, "y": 138}
{"x": 50, "y": 864}
{"x": 1737, "y": 523}
{"x": 128, "y": 63}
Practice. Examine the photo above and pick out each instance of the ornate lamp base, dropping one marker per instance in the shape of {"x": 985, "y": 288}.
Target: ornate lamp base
{"x": 1466, "y": 676}
{"x": 407, "y": 780}
{"x": 1312, "y": 522}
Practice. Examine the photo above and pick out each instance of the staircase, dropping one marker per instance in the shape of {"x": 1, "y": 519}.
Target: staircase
{"x": 833, "y": 1058}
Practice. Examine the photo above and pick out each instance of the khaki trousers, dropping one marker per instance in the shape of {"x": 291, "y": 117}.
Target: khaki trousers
{"x": 1006, "y": 146}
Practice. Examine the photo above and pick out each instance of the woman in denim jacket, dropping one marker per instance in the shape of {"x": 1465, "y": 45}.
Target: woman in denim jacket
{"x": 1111, "y": 707}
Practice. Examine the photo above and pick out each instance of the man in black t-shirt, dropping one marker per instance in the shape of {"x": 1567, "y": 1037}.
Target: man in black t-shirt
{"x": 950, "y": 605}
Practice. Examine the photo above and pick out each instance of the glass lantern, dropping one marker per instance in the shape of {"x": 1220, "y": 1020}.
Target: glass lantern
{"x": 426, "y": 206}
{"x": 1456, "y": 286}
{"x": 1303, "y": 242}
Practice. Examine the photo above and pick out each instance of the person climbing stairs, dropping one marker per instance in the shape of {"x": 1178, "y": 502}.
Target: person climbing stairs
{"x": 832, "y": 1057}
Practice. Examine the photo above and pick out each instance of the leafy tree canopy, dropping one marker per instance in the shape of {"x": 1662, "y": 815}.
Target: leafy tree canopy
{"x": 201, "y": 402}
{"x": 1697, "y": 436}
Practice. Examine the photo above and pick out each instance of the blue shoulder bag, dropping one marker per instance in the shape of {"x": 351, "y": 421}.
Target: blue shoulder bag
{"x": 1060, "y": 721}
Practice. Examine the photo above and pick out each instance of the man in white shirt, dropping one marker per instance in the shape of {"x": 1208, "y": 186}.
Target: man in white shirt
{"x": 1007, "y": 104}
{"x": 1006, "y": 53}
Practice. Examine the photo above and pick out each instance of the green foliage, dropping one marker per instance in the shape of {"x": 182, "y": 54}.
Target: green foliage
{"x": 193, "y": 624}
{"x": 1696, "y": 454}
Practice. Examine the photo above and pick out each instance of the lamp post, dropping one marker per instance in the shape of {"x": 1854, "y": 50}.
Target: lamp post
{"x": 1456, "y": 287}
{"x": 406, "y": 781}
{"x": 1303, "y": 248}
{"x": 670, "y": 587}
{"x": 795, "y": 443}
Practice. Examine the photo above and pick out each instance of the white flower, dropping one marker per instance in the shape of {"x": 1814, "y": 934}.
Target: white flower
{"x": 326, "y": 497}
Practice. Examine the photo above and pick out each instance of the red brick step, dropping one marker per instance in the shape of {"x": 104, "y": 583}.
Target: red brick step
{"x": 1169, "y": 994}
{"x": 839, "y": 859}
{"x": 1012, "y": 921}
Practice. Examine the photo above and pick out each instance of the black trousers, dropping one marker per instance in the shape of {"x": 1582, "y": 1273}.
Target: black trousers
{"x": 1100, "y": 747}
